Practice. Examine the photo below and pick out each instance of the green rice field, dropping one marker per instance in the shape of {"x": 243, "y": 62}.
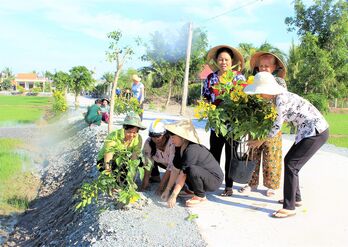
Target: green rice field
{"x": 23, "y": 109}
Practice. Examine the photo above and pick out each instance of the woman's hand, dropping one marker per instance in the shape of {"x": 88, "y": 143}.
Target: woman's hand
{"x": 165, "y": 195}
{"x": 172, "y": 200}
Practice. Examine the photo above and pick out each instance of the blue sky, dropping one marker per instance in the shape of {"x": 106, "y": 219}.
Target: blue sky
{"x": 59, "y": 34}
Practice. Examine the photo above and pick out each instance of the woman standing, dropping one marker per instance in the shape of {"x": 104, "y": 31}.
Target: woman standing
{"x": 193, "y": 164}
{"x": 312, "y": 133}
{"x": 270, "y": 152}
{"x": 221, "y": 59}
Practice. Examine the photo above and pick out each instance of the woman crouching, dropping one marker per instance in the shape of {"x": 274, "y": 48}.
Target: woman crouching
{"x": 193, "y": 164}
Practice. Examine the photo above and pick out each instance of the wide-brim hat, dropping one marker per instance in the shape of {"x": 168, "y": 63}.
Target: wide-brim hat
{"x": 136, "y": 78}
{"x": 184, "y": 129}
{"x": 254, "y": 60}
{"x": 106, "y": 100}
{"x": 264, "y": 83}
{"x": 133, "y": 119}
{"x": 237, "y": 57}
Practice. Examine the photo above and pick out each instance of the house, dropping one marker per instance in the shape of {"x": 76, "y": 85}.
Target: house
{"x": 204, "y": 73}
{"x": 30, "y": 80}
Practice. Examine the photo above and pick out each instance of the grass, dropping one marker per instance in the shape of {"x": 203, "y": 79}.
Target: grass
{"x": 17, "y": 187}
{"x": 338, "y": 129}
{"x": 23, "y": 109}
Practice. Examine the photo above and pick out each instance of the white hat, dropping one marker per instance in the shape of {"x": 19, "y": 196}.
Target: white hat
{"x": 157, "y": 128}
{"x": 264, "y": 83}
{"x": 136, "y": 78}
{"x": 184, "y": 129}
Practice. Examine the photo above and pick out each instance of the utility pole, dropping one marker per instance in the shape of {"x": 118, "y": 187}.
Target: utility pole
{"x": 187, "y": 70}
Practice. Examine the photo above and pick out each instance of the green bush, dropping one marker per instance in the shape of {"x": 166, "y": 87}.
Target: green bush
{"x": 124, "y": 105}
{"x": 319, "y": 101}
{"x": 21, "y": 89}
{"x": 194, "y": 93}
{"x": 59, "y": 102}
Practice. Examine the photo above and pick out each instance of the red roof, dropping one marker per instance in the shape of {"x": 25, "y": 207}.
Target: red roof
{"x": 205, "y": 72}
{"x": 26, "y": 76}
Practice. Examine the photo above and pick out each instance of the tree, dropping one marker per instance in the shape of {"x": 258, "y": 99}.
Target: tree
{"x": 166, "y": 54}
{"x": 327, "y": 20}
{"x": 118, "y": 55}
{"x": 81, "y": 79}
{"x": 6, "y": 79}
{"x": 247, "y": 51}
{"x": 6, "y": 84}
{"x": 61, "y": 81}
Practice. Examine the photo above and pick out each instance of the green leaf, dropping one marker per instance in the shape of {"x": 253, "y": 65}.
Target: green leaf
{"x": 191, "y": 217}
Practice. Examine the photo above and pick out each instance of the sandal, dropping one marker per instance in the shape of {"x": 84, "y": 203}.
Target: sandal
{"x": 245, "y": 190}
{"x": 227, "y": 192}
{"x": 283, "y": 213}
{"x": 297, "y": 204}
{"x": 195, "y": 201}
{"x": 270, "y": 192}
{"x": 186, "y": 193}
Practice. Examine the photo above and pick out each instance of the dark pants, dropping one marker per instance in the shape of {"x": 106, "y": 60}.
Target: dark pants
{"x": 200, "y": 180}
{"x": 294, "y": 160}
{"x": 216, "y": 145}
{"x": 155, "y": 172}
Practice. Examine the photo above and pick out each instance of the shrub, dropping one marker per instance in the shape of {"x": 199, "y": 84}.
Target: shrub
{"x": 319, "y": 101}
{"x": 21, "y": 89}
{"x": 194, "y": 93}
{"x": 59, "y": 102}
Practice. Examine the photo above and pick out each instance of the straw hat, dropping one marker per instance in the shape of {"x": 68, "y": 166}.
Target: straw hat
{"x": 264, "y": 83}
{"x": 136, "y": 78}
{"x": 184, "y": 129}
{"x": 255, "y": 59}
{"x": 237, "y": 57}
{"x": 133, "y": 119}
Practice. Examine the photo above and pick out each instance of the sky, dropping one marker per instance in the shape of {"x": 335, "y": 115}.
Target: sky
{"x": 53, "y": 35}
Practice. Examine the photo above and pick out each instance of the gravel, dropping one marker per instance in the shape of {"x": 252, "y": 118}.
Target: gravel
{"x": 68, "y": 154}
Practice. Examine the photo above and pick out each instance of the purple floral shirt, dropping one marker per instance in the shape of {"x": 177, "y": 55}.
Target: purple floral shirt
{"x": 212, "y": 80}
{"x": 295, "y": 109}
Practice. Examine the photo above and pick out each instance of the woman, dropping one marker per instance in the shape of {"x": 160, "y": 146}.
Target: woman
{"x": 138, "y": 91}
{"x": 312, "y": 133}
{"x": 127, "y": 138}
{"x": 221, "y": 59}
{"x": 94, "y": 115}
{"x": 270, "y": 152}
{"x": 193, "y": 164}
{"x": 159, "y": 151}
{"x": 105, "y": 110}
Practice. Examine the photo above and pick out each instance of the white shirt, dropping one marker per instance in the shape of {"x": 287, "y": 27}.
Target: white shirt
{"x": 164, "y": 157}
{"x": 295, "y": 109}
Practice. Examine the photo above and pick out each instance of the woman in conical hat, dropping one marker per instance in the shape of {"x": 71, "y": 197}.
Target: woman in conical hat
{"x": 221, "y": 60}
{"x": 193, "y": 164}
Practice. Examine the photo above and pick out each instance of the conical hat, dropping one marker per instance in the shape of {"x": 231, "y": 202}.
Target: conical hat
{"x": 184, "y": 129}
{"x": 237, "y": 57}
{"x": 254, "y": 60}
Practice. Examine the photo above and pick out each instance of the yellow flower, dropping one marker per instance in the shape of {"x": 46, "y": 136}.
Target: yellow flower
{"x": 133, "y": 199}
{"x": 250, "y": 80}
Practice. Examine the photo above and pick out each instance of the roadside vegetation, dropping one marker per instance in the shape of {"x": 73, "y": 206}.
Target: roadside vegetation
{"x": 23, "y": 109}
{"x": 14, "y": 195}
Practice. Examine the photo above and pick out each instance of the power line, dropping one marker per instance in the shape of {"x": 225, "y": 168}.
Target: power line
{"x": 231, "y": 10}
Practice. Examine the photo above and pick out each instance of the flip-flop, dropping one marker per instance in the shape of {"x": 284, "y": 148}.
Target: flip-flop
{"x": 227, "y": 192}
{"x": 283, "y": 213}
{"x": 297, "y": 204}
{"x": 245, "y": 190}
{"x": 270, "y": 192}
{"x": 195, "y": 201}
